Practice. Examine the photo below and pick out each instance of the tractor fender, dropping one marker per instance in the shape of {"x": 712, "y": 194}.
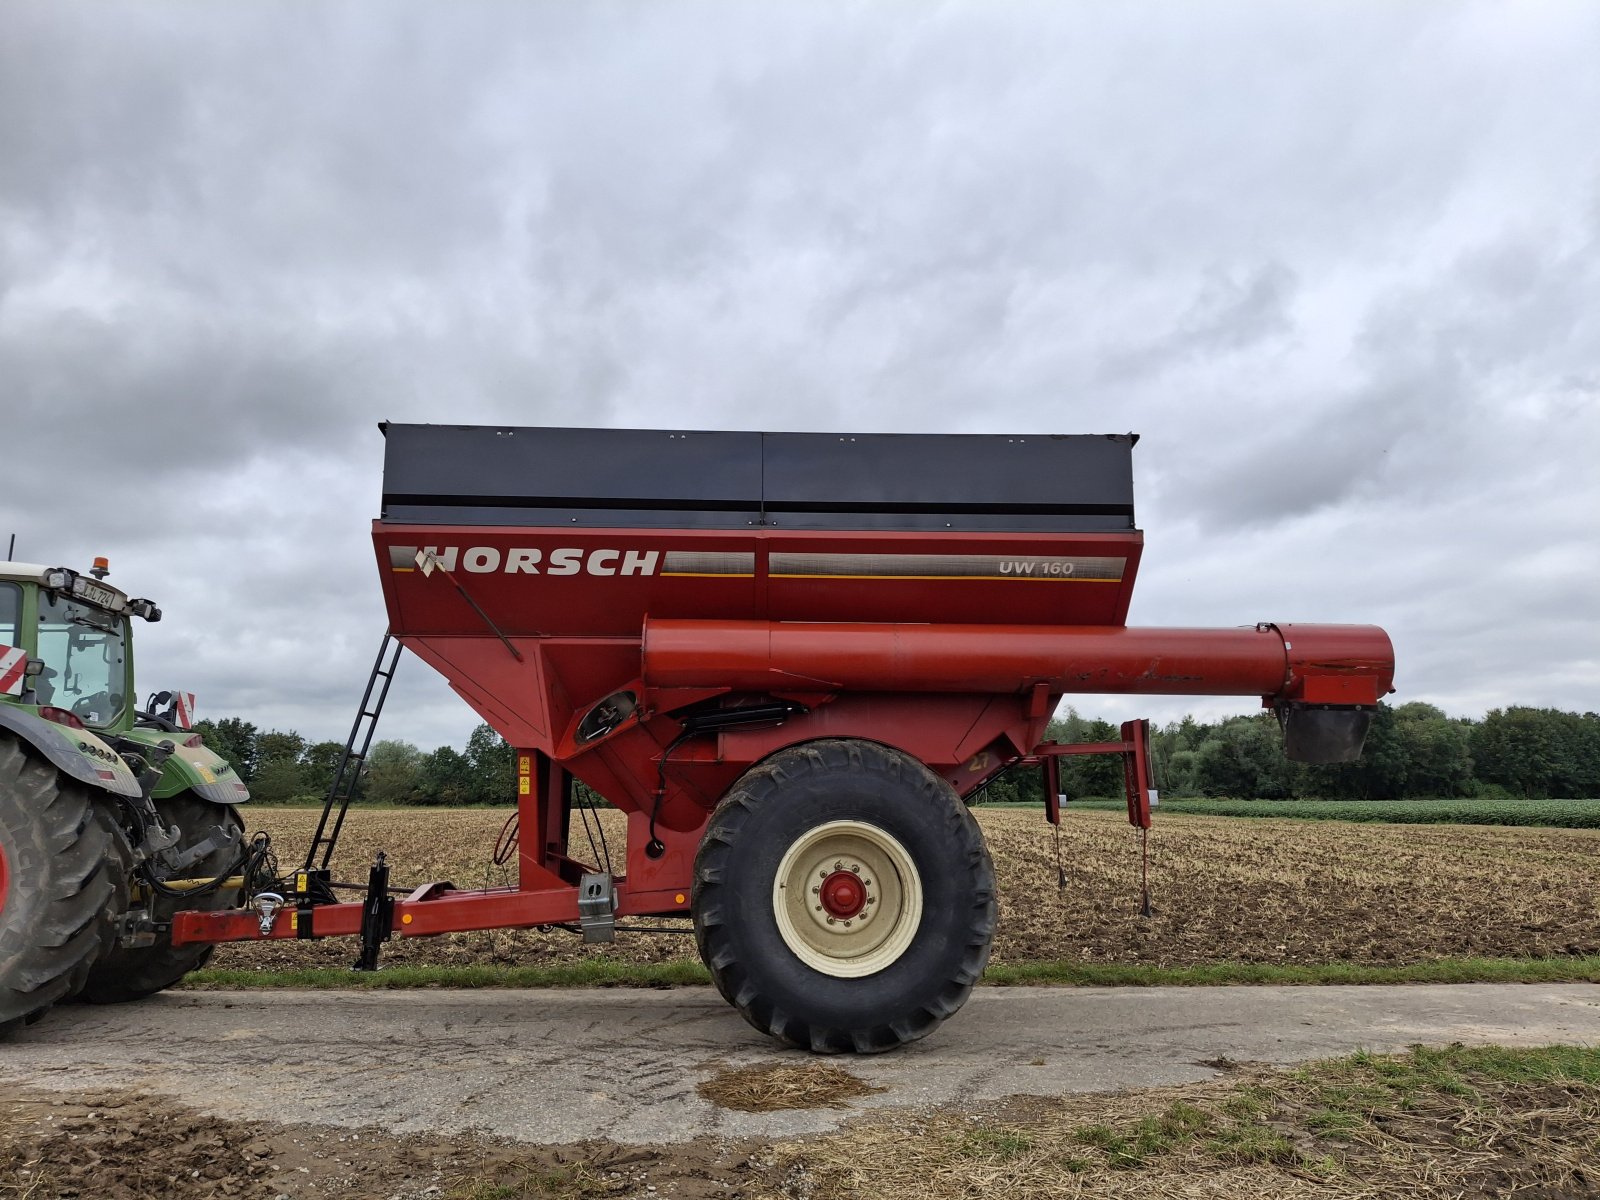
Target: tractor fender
{"x": 193, "y": 768}
{"x": 77, "y": 753}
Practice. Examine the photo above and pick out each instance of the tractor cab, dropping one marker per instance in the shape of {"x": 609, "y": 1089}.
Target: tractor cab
{"x": 65, "y": 648}
{"x": 67, "y": 687}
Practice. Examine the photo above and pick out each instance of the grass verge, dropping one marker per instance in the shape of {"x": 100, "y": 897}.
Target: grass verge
{"x": 1439, "y": 970}
{"x": 1445, "y": 1122}
{"x": 681, "y": 973}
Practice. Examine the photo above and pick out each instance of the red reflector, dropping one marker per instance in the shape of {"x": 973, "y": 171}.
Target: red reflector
{"x": 61, "y": 716}
{"x": 104, "y": 774}
{"x": 194, "y": 742}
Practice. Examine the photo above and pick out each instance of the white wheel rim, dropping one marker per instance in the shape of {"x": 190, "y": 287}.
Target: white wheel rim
{"x": 873, "y": 904}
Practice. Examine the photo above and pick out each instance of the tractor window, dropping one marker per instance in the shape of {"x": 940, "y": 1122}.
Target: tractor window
{"x": 84, "y": 655}
{"x": 10, "y": 615}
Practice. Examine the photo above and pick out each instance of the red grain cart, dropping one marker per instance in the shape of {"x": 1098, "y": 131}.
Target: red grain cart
{"x": 788, "y": 658}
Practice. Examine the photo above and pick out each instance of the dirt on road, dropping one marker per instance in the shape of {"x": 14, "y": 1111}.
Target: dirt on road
{"x": 122, "y": 1145}
{"x": 1427, "y": 1125}
{"x": 652, "y": 1069}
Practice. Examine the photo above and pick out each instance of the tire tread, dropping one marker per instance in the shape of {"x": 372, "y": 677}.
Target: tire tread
{"x": 762, "y": 785}
{"x": 54, "y": 837}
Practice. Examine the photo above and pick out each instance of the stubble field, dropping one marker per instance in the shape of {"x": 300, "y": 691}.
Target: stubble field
{"x": 1223, "y": 890}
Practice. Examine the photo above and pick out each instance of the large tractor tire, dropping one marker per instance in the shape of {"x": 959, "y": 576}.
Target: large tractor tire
{"x": 60, "y": 890}
{"x": 133, "y": 972}
{"x": 843, "y": 897}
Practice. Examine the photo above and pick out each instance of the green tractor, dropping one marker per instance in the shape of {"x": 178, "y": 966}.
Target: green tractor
{"x": 112, "y": 818}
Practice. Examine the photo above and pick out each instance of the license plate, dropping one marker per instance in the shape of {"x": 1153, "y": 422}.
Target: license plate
{"x": 96, "y": 594}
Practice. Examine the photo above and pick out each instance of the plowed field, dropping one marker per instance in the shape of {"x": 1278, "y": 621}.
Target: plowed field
{"x": 1223, "y": 890}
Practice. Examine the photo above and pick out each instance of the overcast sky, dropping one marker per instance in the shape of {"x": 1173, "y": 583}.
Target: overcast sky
{"x": 1339, "y": 265}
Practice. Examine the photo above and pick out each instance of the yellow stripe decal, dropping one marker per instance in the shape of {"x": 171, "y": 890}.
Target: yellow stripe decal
{"x": 984, "y": 578}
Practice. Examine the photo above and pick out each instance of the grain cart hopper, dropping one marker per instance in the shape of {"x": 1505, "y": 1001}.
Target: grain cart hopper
{"x": 788, "y": 658}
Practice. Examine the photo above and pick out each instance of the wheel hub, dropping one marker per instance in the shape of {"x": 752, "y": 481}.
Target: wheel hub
{"x": 847, "y": 898}
{"x": 843, "y": 894}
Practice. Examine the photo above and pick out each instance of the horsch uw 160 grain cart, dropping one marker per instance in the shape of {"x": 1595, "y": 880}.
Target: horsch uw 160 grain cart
{"x": 787, "y": 658}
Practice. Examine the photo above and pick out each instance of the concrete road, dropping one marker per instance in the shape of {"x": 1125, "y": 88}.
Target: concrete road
{"x": 560, "y": 1066}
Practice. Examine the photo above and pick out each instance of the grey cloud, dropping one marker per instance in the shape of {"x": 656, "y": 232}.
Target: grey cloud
{"x": 1233, "y": 311}
{"x": 1458, "y": 369}
{"x": 1336, "y": 263}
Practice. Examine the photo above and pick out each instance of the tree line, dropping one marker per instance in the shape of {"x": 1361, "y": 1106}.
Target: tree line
{"x": 1412, "y": 750}
{"x": 283, "y": 768}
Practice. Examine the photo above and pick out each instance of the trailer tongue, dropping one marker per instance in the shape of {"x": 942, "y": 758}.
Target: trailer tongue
{"x": 787, "y": 657}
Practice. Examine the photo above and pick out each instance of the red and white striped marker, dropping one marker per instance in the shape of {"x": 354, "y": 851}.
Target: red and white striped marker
{"x": 13, "y": 668}
{"x": 183, "y": 710}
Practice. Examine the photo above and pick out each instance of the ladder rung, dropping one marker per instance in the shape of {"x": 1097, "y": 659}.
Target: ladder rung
{"x": 346, "y": 783}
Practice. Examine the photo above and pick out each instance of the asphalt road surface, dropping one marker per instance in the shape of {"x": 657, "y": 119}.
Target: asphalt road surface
{"x": 564, "y": 1065}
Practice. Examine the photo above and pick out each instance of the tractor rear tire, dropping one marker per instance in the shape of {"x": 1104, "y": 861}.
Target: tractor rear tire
{"x": 126, "y": 973}
{"x": 59, "y": 897}
{"x": 843, "y": 897}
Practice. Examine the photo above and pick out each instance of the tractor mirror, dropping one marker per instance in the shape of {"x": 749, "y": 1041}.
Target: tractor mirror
{"x": 176, "y": 708}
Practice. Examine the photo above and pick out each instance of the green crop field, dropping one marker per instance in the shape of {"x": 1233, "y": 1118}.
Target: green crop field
{"x": 1560, "y": 814}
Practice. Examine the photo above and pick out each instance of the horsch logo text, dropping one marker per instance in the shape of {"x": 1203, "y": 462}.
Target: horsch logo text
{"x": 489, "y": 560}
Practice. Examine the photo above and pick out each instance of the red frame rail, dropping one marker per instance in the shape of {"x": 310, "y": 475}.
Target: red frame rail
{"x": 547, "y": 888}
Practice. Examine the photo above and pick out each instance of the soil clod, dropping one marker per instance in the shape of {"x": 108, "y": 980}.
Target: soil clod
{"x": 771, "y": 1088}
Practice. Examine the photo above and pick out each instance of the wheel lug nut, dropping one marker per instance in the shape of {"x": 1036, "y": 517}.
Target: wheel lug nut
{"x": 831, "y": 921}
{"x": 816, "y": 890}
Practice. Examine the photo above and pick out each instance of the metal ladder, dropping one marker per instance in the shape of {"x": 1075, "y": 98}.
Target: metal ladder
{"x": 347, "y": 779}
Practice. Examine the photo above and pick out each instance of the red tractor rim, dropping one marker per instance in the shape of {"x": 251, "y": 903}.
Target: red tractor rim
{"x": 843, "y": 894}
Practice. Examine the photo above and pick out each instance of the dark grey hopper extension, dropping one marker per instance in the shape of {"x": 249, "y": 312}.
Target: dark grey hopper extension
{"x": 644, "y": 478}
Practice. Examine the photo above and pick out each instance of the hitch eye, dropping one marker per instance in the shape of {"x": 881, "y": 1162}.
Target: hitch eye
{"x": 606, "y": 716}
